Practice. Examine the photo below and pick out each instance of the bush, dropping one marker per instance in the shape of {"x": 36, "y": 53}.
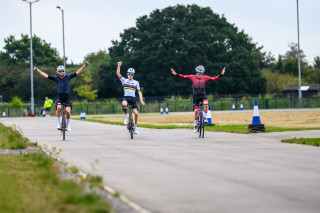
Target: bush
{"x": 16, "y": 102}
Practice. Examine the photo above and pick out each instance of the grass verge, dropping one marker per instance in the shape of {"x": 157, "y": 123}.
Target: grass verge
{"x": 307, "y": 141}
{"x": 218, "y": 128}
{"x": 11, "y": 138}
{"x": 30, "y": 183}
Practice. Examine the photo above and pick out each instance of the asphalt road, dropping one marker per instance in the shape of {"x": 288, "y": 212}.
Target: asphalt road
{"x": 174, "y": 171}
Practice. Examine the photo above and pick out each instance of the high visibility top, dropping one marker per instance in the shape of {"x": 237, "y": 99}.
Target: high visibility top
{"x": 48, "y": 103}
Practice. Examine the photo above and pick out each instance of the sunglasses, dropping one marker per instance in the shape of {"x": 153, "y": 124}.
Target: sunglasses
{"x": 60, "y": 71}
{"x": 130, "y": 74}
{"x": 199, "y": 73}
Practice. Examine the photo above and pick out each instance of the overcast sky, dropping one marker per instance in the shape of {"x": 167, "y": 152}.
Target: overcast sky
{"x": 91, "y": 25}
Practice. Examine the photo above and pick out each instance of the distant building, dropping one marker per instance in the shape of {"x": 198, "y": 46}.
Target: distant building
{"x": 307, "y": 90}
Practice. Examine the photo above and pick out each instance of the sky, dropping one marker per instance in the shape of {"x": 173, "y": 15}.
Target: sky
{"x": 90, "y": 26}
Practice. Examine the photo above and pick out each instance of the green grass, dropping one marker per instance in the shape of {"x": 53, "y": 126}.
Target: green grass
{"x": 218, "y": 128}
{"x": 307, "y": 141}
{"x": 30, "y": 183}
{"x": 11, "y": 138}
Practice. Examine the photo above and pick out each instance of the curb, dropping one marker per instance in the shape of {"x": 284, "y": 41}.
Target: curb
{"x": 108, "y": 189}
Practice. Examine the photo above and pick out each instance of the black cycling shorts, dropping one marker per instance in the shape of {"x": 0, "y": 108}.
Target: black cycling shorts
{"x": 197, "y": 99}
{"x": 132, "y": 101}
{"x": 64, "y": 98}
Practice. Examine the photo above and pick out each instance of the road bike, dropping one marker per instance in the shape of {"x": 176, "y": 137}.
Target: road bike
{"x": 200, "y": 121}
{"x": 130, "y": 125}
{"x": 63, "y": 121}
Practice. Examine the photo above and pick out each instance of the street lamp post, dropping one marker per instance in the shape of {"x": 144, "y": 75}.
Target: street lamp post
{"x": 64, "y": 57}
{"x": 31, "y": 57}
{"x": 300, "y": 93}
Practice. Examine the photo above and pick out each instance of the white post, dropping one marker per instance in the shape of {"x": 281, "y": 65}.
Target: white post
{"x": 31, "y": 57}
{"x": 300, "y": 93}
{"x": 64, "y": 56}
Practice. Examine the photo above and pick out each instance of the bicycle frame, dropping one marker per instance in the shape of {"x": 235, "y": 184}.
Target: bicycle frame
{"x": 200, "y": 121}
{"x": 130, "y": 126}
{"x": 63, "y": 121}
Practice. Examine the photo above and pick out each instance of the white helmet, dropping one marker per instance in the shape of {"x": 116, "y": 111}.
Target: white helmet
{"x": 59, "y": 68}
{"x": 130, "y": 70}
{"x": 200, "y": 68}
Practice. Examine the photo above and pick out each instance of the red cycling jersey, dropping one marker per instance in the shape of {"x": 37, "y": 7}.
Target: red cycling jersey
{"x": 198, "y": 84}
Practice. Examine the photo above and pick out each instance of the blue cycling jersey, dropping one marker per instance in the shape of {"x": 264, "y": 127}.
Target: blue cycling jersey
{"x": 63, "y": 84}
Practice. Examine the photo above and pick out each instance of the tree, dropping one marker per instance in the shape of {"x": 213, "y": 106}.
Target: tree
{"x": 96, "y": 61}
{"x": 293, "y": 52}
{"x": 85, "y": 90}
{"x": 15, "y": 68}
{"x": 18, "y": 51}
{"x": 290, "y": 64}
{"x": 183, "y": 37}
{"x": 316, "y": 63}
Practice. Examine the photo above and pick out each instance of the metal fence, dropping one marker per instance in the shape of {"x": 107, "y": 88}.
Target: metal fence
{"x": 174, "y": 106}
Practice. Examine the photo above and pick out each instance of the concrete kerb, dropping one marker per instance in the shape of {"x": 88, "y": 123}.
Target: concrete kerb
{"x": 108, "y": 189}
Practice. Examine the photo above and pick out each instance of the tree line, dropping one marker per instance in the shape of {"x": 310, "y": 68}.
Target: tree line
{"x": 180, "y": 37}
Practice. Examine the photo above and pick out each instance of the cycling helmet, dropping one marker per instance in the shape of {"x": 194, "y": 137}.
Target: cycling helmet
{"x": 200, "y": 68}
{"x": 131, "y": 70}
{"x": 59, "y": 68}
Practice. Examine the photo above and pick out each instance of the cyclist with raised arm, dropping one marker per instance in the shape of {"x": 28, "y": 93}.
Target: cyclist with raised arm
{"x": 198, "y": 84}
{"x": 63, "y": 85}
{"x": 130, "y": 87}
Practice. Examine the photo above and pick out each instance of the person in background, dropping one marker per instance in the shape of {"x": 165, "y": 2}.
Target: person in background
{"x": 47, "y": 106}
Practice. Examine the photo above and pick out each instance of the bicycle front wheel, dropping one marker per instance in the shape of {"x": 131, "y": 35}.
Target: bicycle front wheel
{"x": 63, "y": 127}
{"x": 131, "y": 132}
{"x": 202, "y": 127}
{"x": 200, "y": 124}
{"x": 131, "y": 127}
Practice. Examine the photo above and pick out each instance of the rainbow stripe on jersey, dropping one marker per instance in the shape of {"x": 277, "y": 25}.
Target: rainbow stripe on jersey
{"x": 127, "y": 86}
{"x": 130, "y": 87}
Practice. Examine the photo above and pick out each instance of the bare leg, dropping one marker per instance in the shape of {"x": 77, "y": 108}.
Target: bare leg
{"x": 68, "y": 111}
{"x": 205, "y": 106}
{"x": 125, "y": 104}
{"x": 196, "y": 111}
{"x": 58, "y": 112}
{"x": 135, "y": 111}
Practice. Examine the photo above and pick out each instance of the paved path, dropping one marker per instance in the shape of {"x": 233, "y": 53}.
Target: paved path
{"x": 174, "y": 171}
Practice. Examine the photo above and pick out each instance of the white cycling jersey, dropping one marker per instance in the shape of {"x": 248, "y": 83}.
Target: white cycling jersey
{"x": 130, "y": 87}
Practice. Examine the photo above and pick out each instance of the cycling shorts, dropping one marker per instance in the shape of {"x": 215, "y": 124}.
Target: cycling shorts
{"x": 132, "y": 101}
{"x": 64, "y": 98}
{"x": 197, "y": 99}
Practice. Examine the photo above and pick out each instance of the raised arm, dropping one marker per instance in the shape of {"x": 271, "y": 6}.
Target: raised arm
{"x": 173, "y": 72}
{"x": 82, "y": 68}
{"x": 40, "y": 72}
{"x": 218, "y": 76}
{"x": 223, "y": 71}
{"x": 180, "y": 75}
{"x": 118, "y": 69}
